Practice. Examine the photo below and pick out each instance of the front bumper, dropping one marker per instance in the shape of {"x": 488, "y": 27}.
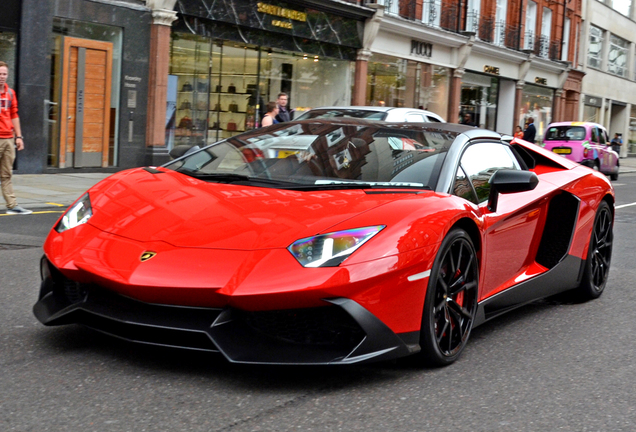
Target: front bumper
{"x": 341, "y": 332}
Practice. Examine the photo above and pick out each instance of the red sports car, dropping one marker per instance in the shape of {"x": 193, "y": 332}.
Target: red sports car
{"x": 329, "y": 242}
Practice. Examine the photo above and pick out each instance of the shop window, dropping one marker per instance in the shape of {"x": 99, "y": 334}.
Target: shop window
{"x": 217, "y": 89}
{"x": 591, "y": 113}
{"x": 536, "y": 102}
{"x": 632, "y": 130}
{"x": 398, "y": 82}
{"x": 594, "y": 53}
{"x": 479, "y": 100}
{"x": 617, "y": 58}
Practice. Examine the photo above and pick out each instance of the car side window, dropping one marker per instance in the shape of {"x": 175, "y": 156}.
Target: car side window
{"x": 601, "y": 136}
{"x": 479, "y": 162}
{"x": 433, "y": 119}
{"x": 594, "y": 135}
{"x": 415, "y": 118}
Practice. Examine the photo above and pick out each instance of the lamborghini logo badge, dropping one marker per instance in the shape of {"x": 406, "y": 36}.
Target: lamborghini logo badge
{"x": 147, "y": 255}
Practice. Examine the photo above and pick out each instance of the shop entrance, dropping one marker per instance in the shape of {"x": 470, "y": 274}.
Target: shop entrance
{"x": 85, "y": 103}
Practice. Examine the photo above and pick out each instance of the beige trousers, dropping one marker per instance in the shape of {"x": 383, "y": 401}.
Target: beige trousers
{"x": 7, "y": 155}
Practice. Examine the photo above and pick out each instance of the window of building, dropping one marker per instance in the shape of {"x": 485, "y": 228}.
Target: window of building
{"x": 472, "y": 16}
{"x": 546, "y": 28}
{"x": 632, "y": 130}
{"x": 398, "y": 82}
{"x": 432, "y": 12}
{"x": 621, "y": 6}
{"x": 531, "y": 24}
{"x": 594, "y": 53}
{"x": 566, "y": 40}
{"x": 500, "y": 22}
{"x": 478, "y": 102}
{"x": 217, "y": 89}
{"x": 536, "y": 102}
{"x": 617, "y": 58}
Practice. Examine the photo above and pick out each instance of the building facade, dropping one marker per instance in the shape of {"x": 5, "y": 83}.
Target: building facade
{"x": 113, "y": 84}
{"x": 607, "y": 57}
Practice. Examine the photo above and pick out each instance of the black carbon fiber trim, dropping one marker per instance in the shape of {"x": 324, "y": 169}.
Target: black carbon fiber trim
{"x": 341, "y": 332}
{"x": 559, "y": 229}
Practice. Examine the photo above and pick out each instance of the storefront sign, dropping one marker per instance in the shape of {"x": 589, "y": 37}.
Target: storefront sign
{"x": 320, "y": 31}
{"x": 423, "y": 49}
{"x": 278, "y": 11}
{"x": 131, "y": 81}
{"x": 593, "y": 101}
{"x": 491, "y": 70}
{"x": 542, "y": 81}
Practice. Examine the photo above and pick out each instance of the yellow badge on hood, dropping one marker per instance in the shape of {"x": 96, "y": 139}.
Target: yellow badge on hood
{"x": 147, "y": 255}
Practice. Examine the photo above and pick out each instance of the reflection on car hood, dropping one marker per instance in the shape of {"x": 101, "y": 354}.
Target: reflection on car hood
{"x": 186, "y": 212}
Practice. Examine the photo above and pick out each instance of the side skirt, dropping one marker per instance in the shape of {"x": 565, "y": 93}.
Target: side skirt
{"x": 563, "y": 277}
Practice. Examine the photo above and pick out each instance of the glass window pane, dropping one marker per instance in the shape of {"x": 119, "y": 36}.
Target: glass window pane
{"x": 481, "y": 161}
{"x": 596, "y": 47}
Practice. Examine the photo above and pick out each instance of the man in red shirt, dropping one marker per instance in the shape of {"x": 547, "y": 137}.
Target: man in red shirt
{"x": 10, "y": 140}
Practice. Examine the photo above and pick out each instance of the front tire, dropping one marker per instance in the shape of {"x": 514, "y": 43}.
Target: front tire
{"x": 451, "y": 300}
{"x": 599, "y": 255}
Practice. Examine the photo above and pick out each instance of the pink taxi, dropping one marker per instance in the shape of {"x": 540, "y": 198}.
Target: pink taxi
{"x": 585, "y": 143}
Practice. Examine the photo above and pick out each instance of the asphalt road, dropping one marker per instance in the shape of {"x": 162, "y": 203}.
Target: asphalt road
{"x": 546, "y": 367}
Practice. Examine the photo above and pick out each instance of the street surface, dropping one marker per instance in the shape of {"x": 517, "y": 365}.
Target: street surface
{"x": 545, "y": 367}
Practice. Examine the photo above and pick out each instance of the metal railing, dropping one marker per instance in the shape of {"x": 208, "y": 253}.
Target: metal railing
{"x": 455, "y": 18}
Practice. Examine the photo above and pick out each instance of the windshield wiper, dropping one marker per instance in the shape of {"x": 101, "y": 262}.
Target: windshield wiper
{"x": 235, "y": 178}
{"x": 336, "y": 185}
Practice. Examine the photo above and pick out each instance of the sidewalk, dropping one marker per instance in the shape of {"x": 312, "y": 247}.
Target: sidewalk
{"x": 52, "y": 190}
{"x": 61, "y": 190}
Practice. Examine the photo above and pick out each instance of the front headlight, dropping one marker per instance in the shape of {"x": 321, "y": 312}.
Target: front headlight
{"x": 79, "y": 213}
{"x": 329, "y": 250}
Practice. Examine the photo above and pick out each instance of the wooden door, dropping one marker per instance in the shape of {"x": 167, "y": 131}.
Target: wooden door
{"x": 85, "y": 108}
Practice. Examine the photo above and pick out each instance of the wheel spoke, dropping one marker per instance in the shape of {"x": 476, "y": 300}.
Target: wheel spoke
{"x": 460, "y": 311}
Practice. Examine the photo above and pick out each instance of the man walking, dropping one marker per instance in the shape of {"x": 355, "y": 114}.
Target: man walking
{"x": 616, "y": 143}
{"x": 531, "y": 132}
{"x": 284, "y": 114}
{"x": 10, "y": 140}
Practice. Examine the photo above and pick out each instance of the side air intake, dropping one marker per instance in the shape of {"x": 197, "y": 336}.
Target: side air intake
{"x": 558, "y": 230}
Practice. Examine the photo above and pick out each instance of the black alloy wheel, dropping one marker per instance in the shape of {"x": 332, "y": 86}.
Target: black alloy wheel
{"x": 451, "y": 300}
{"x": 599, "y": 255}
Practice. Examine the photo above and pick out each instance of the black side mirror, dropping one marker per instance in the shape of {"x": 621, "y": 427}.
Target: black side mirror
{"x": 510, "y": 181}
{"x": 182, "y": 150}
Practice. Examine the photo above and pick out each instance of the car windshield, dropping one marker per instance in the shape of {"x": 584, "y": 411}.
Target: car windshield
{"x": 343, "y": 113}
{"x": 565, "y": 133}
{"x": 324, "y": 155}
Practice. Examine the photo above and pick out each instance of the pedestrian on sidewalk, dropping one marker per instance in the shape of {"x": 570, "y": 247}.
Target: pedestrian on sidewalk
{"x": 10, "y": 140}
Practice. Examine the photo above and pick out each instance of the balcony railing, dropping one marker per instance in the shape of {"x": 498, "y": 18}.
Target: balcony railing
{"x": 454, "y": 17}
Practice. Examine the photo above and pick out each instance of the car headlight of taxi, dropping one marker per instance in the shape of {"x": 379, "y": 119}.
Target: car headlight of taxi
{"x": 78, "y": 214}
{"x": 329, "y": 250}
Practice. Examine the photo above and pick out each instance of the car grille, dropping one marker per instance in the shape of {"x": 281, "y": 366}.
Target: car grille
{"x": 329, "y": 325}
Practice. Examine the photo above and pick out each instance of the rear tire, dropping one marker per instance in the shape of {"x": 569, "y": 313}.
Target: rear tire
{"x": 599, "y": 255}
{"x": 451, "y": 300}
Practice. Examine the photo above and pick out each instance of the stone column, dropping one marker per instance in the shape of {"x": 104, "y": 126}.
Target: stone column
{"x": 162, "y": 18}
{"x": 360, "y": 81}
{"x": 455, "y": 95}
{"x": 518, "y": 98}
{"x": 559, "y": 103}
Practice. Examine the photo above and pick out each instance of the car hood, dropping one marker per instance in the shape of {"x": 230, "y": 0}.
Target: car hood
{"x": 150, "y": 205}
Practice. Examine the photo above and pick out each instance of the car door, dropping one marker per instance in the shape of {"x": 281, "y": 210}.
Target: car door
{"x": 510, "y": 239}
